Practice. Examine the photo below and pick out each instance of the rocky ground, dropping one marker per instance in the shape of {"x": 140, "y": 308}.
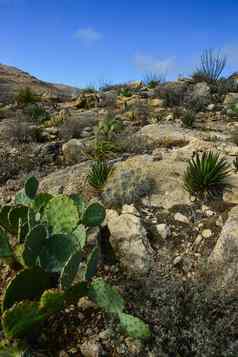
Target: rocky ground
{"x": 175, "y": 257}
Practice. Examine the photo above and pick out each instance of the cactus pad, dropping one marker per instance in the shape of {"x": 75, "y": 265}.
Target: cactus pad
{"x": 4, "y": 222}
{"x": 5, "y": 248}
{"x": 75, "y": 292}
{"x": 31, "y": 187}
{"x": 57, "y": 251}
{"x": 28, "y": 284}
{"x": 134, "y": 327}
{"x": 41, "y": 201}
{"x": 80, "y": 203}
{"x": 80, "y": 236}
{"x": 34, "y": 243}
{"x": 61, "y": 214}
{"x": 70, "y": 270}
{"x": 52, "y": 301}
{"x": 21, "y": 318}
{"x": 92, "y": 263}
{"x": 94, "y": 215}
{"x": 17, "y": 215}
{"x": 106, "y": 297}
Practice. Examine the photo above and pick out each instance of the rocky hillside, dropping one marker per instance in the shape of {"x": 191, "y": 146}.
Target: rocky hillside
{"x": 12, "y": 79}
{"x": 169, "y": 247}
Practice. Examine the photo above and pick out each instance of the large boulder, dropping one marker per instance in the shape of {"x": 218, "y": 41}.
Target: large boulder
{"x": 129, "y": 241}
{"x": 224, "y": 257}
{"x": 230, "y": 99}
{"x": 72, "y": 151}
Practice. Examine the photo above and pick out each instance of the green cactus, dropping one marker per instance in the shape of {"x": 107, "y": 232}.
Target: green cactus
{"x": 134, "y": 327}
{"x": 52, "y": 301}
{"x": 75, "y": 292}
{"x": 61, "y": 214}
{"x": 57, "y": 250}
{"x": 41, "y": 201}
{"x": 22, "y": 199}
{"x": 34, "y": 244}
{"x": 94, "y": 215}
{"x": 5, "y": 248}
{"x": 106, "y": 297}
{"x": 31, "y": 187}
{"x": 17, "y": 215}
{"x": 92, "y": 263}
{"x": 4, "y": 222}
{"x": 80, "y": 235}
{"x": 70, "y": 270}
{"x": 19, "y": 320}
{"x": 28, "y": 284}
{"x": 80, "y": 203}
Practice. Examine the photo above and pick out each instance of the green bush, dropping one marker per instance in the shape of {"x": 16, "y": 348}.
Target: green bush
{"x": 50, "y": 235}
{"x": 188, "y": 119}
{"x": 37, "y": 112}
{"x": 98, "y": 174}
{"x": 207, "y": 176}
{"x": 26, "y": 96}
{"x": 126, "y": 92}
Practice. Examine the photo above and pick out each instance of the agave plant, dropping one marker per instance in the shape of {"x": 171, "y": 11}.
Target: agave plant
{"x": 207, "y": 175}
{"x": 50, "y": 234}
{"x": 98, "y": 174}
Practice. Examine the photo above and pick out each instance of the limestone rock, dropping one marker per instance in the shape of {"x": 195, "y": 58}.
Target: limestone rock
{"x": 72, "y": 151}
{"x": 129, "y": 241}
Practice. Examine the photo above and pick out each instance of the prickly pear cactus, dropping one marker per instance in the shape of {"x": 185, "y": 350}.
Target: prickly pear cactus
{"x": 31, "y": 187}
{"x": 5, "y": 248}
{"x": 52, "y": 301}
{"x": 57, "y": 250}
{"x": 34, "y": 244}
{"x": 61, "y": 214}
{"x": 28, "y": 284}
{"x": 92, "y": 263}
{"x": 94, "y": 215}
{"x": 80, "y": 235}
{"x": 19, "y": 320}
{"x": 70, "y": 270}
{"x": 106, "y": 297}
{"x": 41, "y": 201}
{"x": 133, "y": 326}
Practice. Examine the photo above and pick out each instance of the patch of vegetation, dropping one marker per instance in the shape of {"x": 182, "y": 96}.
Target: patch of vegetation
{"x": 152, "y": 80}
{"x": 21, "y": 132}
{"x": 206, "y": 176}
{"x": 37, "y": 113}
{"x": 51, "y": 237}
{"x": 98, "y": 174}
{"x": 211, "y": 66}
{"x": 26, "y": 96}
{"x": 125, "y": 92}
{"x": 188, "y": 119}
{"x": 173, "y": 96}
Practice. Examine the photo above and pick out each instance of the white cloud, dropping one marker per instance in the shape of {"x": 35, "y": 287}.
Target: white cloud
{"x": 88, "y": 35}
{"x": 150, "y": 64}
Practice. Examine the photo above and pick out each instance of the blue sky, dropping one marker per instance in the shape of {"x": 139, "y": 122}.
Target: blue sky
{"x": 86, "y": 42}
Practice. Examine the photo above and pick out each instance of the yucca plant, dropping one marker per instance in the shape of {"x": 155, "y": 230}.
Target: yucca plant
{"x": 98, "y": 174}
{"x": 207, "y": 176}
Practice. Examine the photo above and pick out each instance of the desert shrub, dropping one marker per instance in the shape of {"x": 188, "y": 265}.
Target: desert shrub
{"x": 37, "y": 113}
{"x": 173, "y": 96}
{"x": 190, "y": 319}
{"x": 188, "y": 119}
{"x": 26, "y": 96}
{"x": 51, "y": 243}
{"x": 126, "y": 187}
{"x": 108, "y": 128}
{"x": 224, "y": 86}
{"x": 125, "y": 92}
{"x": 152, "y": 80}
{"x": 71, "y": 128}
{"x": 21, "y": 132}
{"x": 206, "y": 176}
{"x": 98, "y": 174}
{"x": 211, "y": 66}
{"x": 196, "y": 103}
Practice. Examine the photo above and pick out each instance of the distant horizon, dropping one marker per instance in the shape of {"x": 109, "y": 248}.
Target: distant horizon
{"x": 86, "y": 43}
